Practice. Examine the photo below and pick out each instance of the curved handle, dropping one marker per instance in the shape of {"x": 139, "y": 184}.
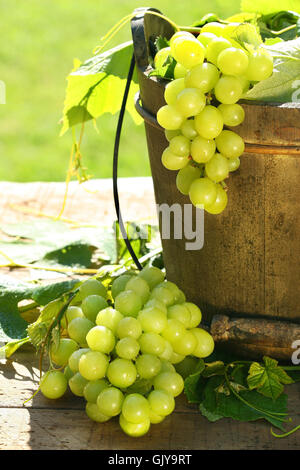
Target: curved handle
{"x": 143, "y": 41}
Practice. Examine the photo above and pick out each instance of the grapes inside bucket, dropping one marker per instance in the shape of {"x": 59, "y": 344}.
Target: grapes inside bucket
{"x": 211, "y": 147}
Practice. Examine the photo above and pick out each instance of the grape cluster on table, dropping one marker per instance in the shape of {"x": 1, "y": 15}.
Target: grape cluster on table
{"x": 121, "y": 356}
{"x": 211, "y": 66}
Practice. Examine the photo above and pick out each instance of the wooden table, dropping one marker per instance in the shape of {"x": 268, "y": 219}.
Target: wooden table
{"x": 63, "y": 424}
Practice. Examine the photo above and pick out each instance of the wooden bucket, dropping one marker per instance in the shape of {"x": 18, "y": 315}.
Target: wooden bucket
{"x": 246, "y": 277}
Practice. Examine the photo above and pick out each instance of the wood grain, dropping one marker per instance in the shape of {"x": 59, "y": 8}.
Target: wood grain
{"x": 62, "y": 424}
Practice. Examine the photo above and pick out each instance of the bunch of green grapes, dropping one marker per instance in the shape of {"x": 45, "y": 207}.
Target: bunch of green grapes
{"x": 122, "y": 359}
{"x": 211, "y": 66}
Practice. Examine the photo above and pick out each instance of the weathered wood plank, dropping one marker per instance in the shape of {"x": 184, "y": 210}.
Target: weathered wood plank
{"x": 72, "y": 429}
{"x": 47, "y": 424}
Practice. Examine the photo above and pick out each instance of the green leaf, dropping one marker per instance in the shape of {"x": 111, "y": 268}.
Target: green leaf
{"x": 38, "y": 330}
{"x": 8, "y": 349}
{"x": 268, "y": 379}
{"x": 228, "y": 406}
{"x": 161, "y": 43}
{"x": 267, "y": 6}
{"x": 56, "y": 243}
{"x": 214, "y": 368}
{"x": 283, "y": 85}
{"x": 97, "y": 86}
{"x": 246, "y": 35}
{"x": 12, "y": 325}
{"x": 193, "y": 384}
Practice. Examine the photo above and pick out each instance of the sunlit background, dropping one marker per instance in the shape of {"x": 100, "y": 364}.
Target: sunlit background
{"x": 39, "y": 40}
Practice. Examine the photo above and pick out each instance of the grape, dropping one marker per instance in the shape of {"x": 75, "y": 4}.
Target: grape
{"x": 185, "y": 345}
{"x": 233, "y": 61}
{"x": 172, "y": 288}
{"x": 167, "y": 366}
{"x": 77, "y": 384}
{"x": 215, "y": 47}
{"x": 101, "y": 339}
{"x": 179, "y": 71}
{"x": 154, "y": 418}
{"x": 129, "y": 326}
{"x": 91, "y": 287}
{"x": 234, "y": 163}
{"x": 181, "y": 34}
{"x": 188, "y": 51}
{"x": 174, "y": 330}
{"x": 206, "y": 37}
{"x": 180, "y": 145}
{"x": 153, "y": 320}
{"x": 152, "y": 343}
{"x": 172, "y": 89}
{"x": 217, "y": 168}
{"x": 93, "y": 388}
{"x": 71, "y": 313}
{"x": 180, "y": 313}
{"x": 140, "y": 287}
{"x": 244, "y": 83}
{"x": 92, "y": 305}
{"x": 110, "y": 401}
{"x": 75, "y": 357}
{"x": 127, "y": 348}
{"x": 119, "y": 284}
{"x": 220, "y": 203}
{"x": 196, "y": 315}
{"x": 134, "y": 429}
{"x": 176, "y": 358}
{"x": 190, "y": 102}
{"x": 78, "y": 329}
{"x": 169, "y": 117}
{"x": 209, "y": 123}
{"x": 161, "y": 402}
{"x": 170, "y": 382}
{"x": 135, "y": 408}
{"x": 203, "y": 192}
{"x": 188, "y": 129}
{"x": 129, "y": 303}
{"x": 181, "y": 297}
{"x": 156, "y": 304}
{"x": 228, "y": 89}
{"x": 233, "y": 114}
{"x": 68, "y": 373}
{"x": 170, "y": 134}
{"x": 148, "y": 366}
{"x": 171, "y": 161}
{"x": 187, "y": 366}
{"x": 204, "y": 77}
{"x": 213, "y": 27}
{"x": 260, "y": 66}
{"x": 121, "y": 373}
{"x": 230, "y": 144}
{"x": 53, "y": 384}
{"x": 152, "y": 275}
{"x": 205, "y": 343}
{"x": 202, "y": 149}
{"x": 185, "y": 177}
{"x": 110, "y": 318}
{"x": 168, "y": 351}
{"x": 161, "y": 56}
{"x": 93, "y": 413}
{"x": 93, "y": 365}
{"x": 163, "y": 294}
{"x": 60, "y": 353}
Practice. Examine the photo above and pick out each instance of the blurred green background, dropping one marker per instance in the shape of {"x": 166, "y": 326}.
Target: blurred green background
{"x": 40, "y": 38}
